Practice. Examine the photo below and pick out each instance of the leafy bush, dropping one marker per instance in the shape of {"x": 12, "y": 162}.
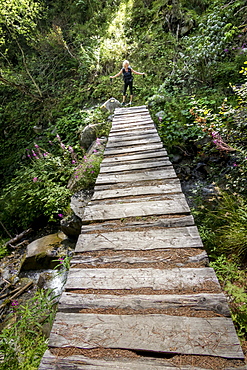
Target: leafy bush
{"x": 233, "y": 280}
{"x": 21, "y": 341}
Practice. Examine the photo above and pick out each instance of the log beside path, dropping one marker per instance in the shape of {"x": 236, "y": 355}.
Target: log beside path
{"x": 140, "y": 294}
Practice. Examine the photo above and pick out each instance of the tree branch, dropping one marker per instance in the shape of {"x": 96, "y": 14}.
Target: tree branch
{"x": 27, "y": 70}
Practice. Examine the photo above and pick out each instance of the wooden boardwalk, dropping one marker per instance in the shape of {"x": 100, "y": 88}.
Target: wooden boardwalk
{"x": 139, "y": 293}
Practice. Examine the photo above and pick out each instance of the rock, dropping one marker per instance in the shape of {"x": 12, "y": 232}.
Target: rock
{"x": 89, "y": 135}
{"x": 71, "y": 226}
{"x": 43, "y": 252}
{"x": 111, "y": 104}
{"x": 38, "y": 129}
{"x": 160, "y": 114}
{"x": 46, "y": 329}
{"x": 97, "y": 147}
{"x": 79, "y": 201}
{"x": 176, "y": 158}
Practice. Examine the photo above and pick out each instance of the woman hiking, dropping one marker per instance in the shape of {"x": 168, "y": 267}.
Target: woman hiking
{"x": 128, "y": 79}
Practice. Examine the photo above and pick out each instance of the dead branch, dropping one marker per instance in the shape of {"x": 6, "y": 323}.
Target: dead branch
{"x": 25, "y": 242}
{"x": 17, "y": 291}
{"x": 18, "y": 237}
{"x": 20, "y": 291}
{"x": 5, "y": 229}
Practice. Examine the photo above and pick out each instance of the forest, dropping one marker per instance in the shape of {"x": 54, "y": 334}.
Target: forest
{"x": 56, "y": 59}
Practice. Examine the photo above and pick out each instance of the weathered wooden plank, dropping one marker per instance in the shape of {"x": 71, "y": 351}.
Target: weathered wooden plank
{"x": 152, "y": 174}
{"x": 159, "y": 153}
{"x": 122, "y": 143}
{"x": 132, "y": 134}
{"x": 156, "y": 279}
{"x": 132, "y": 149}
{"x": 159, "y": 160}
{"x": 135, "y": 129}
{"x": 135, "y": 166}
{"x": 124, "y": 128}
{"x": 170, "y": 187}
{"x": 79, "y": 362}
{"x": 181, "y": 221}
{"x": 132, "y": 124}
{"x": 72, "y": 302}
{"x": 127, "y": 110}
{"x": 140, "y": 260}
{"x": 180, "y": 237}
{"x": 151, "y": 208}
{"x": 139, "y": 199}
{"x": 131, "y": 119}
{"x": 160, "y": 333}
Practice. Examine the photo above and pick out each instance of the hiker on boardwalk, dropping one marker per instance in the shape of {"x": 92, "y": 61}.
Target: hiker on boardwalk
{"x": 128, "y": 79}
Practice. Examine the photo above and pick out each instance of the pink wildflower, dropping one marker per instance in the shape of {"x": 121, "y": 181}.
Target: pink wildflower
{"x": 14, "y": 303}
{"x": 60, "y": 215}
{"x": 35, "y": 179}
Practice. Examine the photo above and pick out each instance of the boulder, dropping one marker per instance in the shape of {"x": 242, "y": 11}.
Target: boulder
{"x": 42, "y": 253}
{"x": 111, "y": 104}
{"x": 89, "y": 135}
{"x": 79, "y": 201}
{"x": 71, "y": 226}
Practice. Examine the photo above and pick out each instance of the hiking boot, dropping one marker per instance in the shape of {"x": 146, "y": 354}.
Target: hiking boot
{"x": 123, "y": 103}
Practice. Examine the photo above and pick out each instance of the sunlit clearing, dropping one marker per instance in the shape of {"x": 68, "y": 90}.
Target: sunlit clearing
{"x": 116, "y": 44}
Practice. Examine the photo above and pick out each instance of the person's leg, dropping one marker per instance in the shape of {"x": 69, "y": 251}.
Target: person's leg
{"x": 131, "y": 91}
{"x": 124, "y": 93}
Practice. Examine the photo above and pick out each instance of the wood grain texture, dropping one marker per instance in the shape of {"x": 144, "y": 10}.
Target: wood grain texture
{"x": 180, "y": 237}
{"x": 155, "y": 208}
{"x": 77, "y": 362}
{"x": 169, "y": 279}
{"x": 130, "y": 135}
{"x": 133, "y": 149}
{"x": 159, "y": 333}
{"x": 143, "y": 155}
{"x": 146, "y": 261}
{"x": 72, "y": 302}
{"x": 170, "y": 187}
{"x": 161, "y": 222}
{"x": 135, "y": 129}
{"x": 151, "y": 174}
{"x": 116, "y": 144}
{"x": 135, "y": 166}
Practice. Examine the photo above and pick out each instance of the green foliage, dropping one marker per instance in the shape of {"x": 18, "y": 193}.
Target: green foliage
{"x": 21, "y": 341}
{"x": 86, "y": 172}
{"x": 37, "y": 189}
{"x": 18, "y": 18}
{"x": 63, "y": 265}
{"x": 3, "y": 248}
{"x": 233, "y": 280}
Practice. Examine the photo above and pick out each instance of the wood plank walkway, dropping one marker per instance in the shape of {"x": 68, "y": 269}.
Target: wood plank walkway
{"x": 139, "y": 293}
